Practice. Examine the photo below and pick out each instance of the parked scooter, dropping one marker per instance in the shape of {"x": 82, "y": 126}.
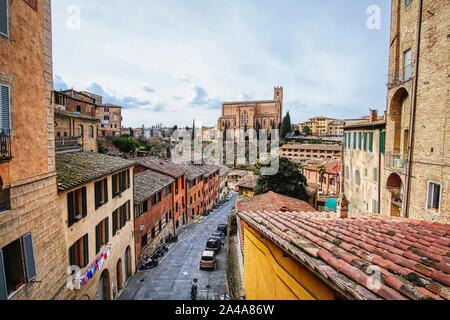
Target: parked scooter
{"x": 171, "y": 238}
{"x": 148, "y": 263}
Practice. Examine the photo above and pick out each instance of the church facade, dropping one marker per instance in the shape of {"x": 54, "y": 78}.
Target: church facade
{"x": 248, "y": 114}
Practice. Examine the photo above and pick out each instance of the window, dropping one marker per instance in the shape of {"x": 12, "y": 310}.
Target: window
{"x": 76, "y": 206}
{"x": 153, "y": 233}
{"x": 357, "y": 177}
{"x": 101, "y": 235}
{"x": 375, "y": 175}
{"x": 80, "y": 131}
{"x": 121, "y": 182}
{"x": 407, "y": 65}
{"x": 79, "y": 109}
{"x": 144, "y": 240}
{"x": 91, "y": 131}
{"x": 17, "y": 266}
{"x": 120, "y": 217}
{"x": 407, "y": 2}
{"x": 383, "y": 142}
{"x": 434, "y": 196}
{"x": 370, "y": 142}
{"x": 101, "y": 193}
{"x": 79, "y": 253}
{"x": 5, "y": 103}
{"x": 4, "y": 18}
{"x": 375, "y": 206}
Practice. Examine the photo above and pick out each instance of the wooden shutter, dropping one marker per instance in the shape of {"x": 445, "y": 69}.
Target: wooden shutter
{"x": 105, "y": 190}
{"x": 98, "y": 191}
{"x": 5, "y": 108}
{"x": 4, "y": 18}
{"x": 383, "y": 142}
{"x": 3, "y": 287}
{"x": 84, "y": 201}
{"x": 114, "y": 185}
{"x": 115, "y": 222}
{"x": 98, "y": 237}
{"x": 28, "y": 250}
{"x": 72, "y": 255}
{"x": 70, "y": 208}
{"x": 86, "y": 250}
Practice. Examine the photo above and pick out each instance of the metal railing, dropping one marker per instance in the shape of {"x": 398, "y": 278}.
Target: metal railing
{"x": 5, "y": 144}
{"x": 401, "y": 76}
{"x": 396, "y": 161}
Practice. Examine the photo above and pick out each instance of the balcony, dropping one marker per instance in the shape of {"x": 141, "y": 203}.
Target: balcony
{"x": 403, "y": 75}
{"x": 68, "y": 145}
{"x": 396, "y": 161}
{"x": 5, "y": 145}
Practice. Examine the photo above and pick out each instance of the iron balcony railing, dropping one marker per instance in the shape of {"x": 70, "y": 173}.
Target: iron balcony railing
{"x": 68, "y": 144}
{"x": 401, "y": 76}
{"x": 396, "y": 161}
{"x": 5, "y": 145}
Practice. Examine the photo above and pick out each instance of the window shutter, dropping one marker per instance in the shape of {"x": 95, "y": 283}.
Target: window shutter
{"x": 86, "y": 250}
{"x": 30, "y": 265}
{"x": 4, "y": 23}
{"x": 105, "y": 186}
{"x": 98, "y": 191}
{"x": 83, "y": 201}
{"x": 115, "y": 222}
{"x": 70, "y": 208}
{"x": 114, "y": 185}
{"x": 72, "y": 255}
{"x": 5, "y": 108}
{"x": 383, "y": 142}
{"x": 3, "y": 287}
{"x": 107, "y": 230}
{"x": 97, "y": 238}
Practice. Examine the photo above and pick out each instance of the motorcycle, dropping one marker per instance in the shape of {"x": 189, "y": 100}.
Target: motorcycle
{"x": 148, "y": 263}
{"x": 171, "y": 239}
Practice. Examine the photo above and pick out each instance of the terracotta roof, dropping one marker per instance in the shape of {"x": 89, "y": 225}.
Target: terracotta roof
{"x": 209, "y": 169}
{"x": 147, "y": 183}
{"x": 162, "y": 166}
{"x": 80, "y": 168}
{"x": 368, "y": 124}
{"x": 249, "y": 181}
{"x": 68, "y": 114}
{"x": 193, "y": 172}
{"x": 412, "y": 256}
{"x": 272, "y": 201}
{"x": 330, "y": 166}
{"x": 300, "y": 146}
{"x": 224, "y": 170}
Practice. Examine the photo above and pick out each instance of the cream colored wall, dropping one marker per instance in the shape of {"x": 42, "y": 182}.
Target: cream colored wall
{"x": 118, "y": 243}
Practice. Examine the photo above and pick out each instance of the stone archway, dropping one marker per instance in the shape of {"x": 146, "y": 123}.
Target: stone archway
{"x": 119, "y": 275}
{"x": 128, "y": 264}
{"x": 399, "y": 110}
{"x": 395, "y": 186}
{"x": 104, "y": 286}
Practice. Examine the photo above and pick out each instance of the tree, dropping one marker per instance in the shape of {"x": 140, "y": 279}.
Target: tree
{"x": 126, "y": 144}
{"x": 286, "y": 126}
{"x": 306, "y": 130}
{"x": 321, "y": 171}
{"x": 288, "y": 181}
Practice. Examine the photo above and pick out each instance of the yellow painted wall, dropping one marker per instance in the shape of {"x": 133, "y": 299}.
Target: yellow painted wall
{"x": 268, "y": 275}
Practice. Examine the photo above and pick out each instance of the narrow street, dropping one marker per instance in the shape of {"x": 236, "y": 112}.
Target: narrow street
{"x": 172, "y": 279}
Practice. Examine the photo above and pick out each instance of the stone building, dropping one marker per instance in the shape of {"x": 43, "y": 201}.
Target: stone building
{"x": 301, "y": 152}
{"x": 417, "y": 168}
{"x": 96, "y": 209}
{"x": 153, "y": 211}
{"x": 211, "y": 185}
{"x": 363, "y": 163}
{"x": 328, "y": 181}
{"x": 110, "y": 117}
{"x": 32, "y": 248}
{"x": 248, "y": 114}
{"x": 318, "y": 126}
{"x": 195, "y": 191}
{"x": 75, "y": 132}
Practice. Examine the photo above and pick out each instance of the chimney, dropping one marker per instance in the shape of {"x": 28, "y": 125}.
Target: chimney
{"x": 373, "y": 115}
{"x": 342, "y": 208}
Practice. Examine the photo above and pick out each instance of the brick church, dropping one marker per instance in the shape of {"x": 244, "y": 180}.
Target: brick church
{"x": 247, "y": 114}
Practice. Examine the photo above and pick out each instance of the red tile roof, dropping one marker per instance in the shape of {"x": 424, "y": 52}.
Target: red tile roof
{"x": 162, "y": 166}
{"x": 272, "y": 201}
{"x": 413, "y": 257}
{"x": 249, "y": 181}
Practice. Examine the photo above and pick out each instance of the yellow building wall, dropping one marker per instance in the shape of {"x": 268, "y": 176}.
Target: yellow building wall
{"x": 269, "y": 275}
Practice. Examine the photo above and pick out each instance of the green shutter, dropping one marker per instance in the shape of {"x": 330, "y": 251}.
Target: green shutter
{"x": 371, "y": 141}
{"x": 365, "y": 141}
{"x": 354, "y": 140}
{"x": 382, "y": 142}
{"x": 5, "y": 100}
{"x": 360, "y": 141}
{"x": 30, "y": 264}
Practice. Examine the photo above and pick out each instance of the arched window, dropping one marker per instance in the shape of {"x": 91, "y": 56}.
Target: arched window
{"x": 58, "y": 135}
{"x": 80, "y": 131}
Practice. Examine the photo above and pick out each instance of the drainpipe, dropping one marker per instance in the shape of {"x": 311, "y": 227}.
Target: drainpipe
{"x": 413, "y": 111}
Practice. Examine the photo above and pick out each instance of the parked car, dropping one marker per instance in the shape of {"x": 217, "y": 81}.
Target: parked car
{"x": 208, "y": 260}
{"x": 222, "y": 228}
{"x": 213, "y": 244}
{"x": 218, "y": 235}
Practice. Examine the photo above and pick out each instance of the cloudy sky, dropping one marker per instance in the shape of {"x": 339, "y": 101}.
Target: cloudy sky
{"x": 171, "y": 61}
